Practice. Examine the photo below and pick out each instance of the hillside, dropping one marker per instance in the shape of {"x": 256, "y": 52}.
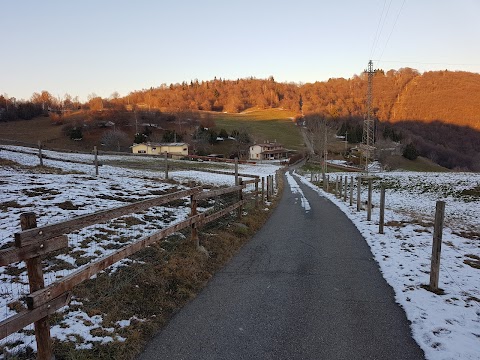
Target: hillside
{"x": 404, "y": 94}
{"x": 445, "y": 95}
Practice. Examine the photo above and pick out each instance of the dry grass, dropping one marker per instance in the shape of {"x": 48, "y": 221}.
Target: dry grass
{"x": 167, "y": 276}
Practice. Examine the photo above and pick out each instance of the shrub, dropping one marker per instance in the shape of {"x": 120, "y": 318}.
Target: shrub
{"x": 410, "y": 152}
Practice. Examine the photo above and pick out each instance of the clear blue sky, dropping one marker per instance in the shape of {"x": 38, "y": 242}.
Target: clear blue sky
{"x": 102, "y": 46}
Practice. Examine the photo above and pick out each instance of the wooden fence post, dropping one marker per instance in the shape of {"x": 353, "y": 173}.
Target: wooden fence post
{"x": 437, "y": 245}
{"x": 328, "y": 182}
{"x": 324, "y": 185}
{"x": 336, "y": 186}
{"x": 369, "y": 201}
{"x": 193, "y": 212}
{"x": 40, "y": 156}
{"x": 240, "y": 198}
{"x": 268, "y": 188}
{"x": 340, "y": 186}
{"x": 345, "y": 191}
{"x": 382, "y": 210}
{"x": 263, "y": 190}
{"x": 236, "y": 171}
{"x": 359, "y": 184}
{"x": 351, "y": 190}
{"x": 256, "y": 192}
{"x": 36, "y": 281}
{"x": 166, "y": 165}
{"x": 95, "y": 159}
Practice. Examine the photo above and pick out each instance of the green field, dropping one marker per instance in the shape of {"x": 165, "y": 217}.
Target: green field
{"x": 263, "y": 125}
{"x": 420, "y": 164}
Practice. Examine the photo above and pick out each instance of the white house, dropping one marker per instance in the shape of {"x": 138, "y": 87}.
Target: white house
{"x": 268, "y": 151}
{"x": 172, "y": 149}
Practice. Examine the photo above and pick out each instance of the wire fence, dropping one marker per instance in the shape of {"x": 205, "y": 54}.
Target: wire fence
{"x": 458, "y": 252}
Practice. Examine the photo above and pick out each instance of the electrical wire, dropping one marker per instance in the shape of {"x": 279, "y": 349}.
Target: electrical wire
{"x": 377, "y": 33}
{"x": 391, "y": 32}
{"x": 424, "y": 63}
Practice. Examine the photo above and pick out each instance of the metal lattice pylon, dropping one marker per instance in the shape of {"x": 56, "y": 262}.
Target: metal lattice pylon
{"x": 368, "y": 138}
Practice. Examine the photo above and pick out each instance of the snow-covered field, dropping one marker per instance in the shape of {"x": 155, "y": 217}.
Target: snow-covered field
{"x": 445, "y": 326}
{"x": 77, "y": 191}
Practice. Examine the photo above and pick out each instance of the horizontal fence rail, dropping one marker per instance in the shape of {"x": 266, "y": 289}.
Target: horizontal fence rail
{"x": 39, "y": 234}
{"x": 33, "y": 242}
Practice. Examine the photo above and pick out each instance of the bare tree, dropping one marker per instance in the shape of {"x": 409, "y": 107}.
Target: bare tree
{"x": 115, "y": 140}
{"x": 318, "y": 135}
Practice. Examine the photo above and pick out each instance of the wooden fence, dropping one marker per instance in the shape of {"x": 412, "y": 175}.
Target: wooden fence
{"x": 33, "y": 242}
{"x": 438, "y": 223}
{"x": 96, "y": 163}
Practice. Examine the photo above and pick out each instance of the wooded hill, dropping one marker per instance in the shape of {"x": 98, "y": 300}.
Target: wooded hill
{"x": 398, "y": 95}
{"x": 450, "y": 97}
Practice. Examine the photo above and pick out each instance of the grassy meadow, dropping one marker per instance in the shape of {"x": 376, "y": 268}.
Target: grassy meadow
{"x": 263, "y": 125}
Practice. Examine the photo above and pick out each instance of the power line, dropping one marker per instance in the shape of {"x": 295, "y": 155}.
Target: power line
{"x": 377, "y": 33}
{"x": 424, "y": 63}
{"x": 391, "y": 32}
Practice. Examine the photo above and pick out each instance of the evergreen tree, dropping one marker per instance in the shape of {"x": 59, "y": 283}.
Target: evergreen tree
{"x": 139, "y": 138}
{"x": 410, "y": 152}
{"x": 76, "y": 133}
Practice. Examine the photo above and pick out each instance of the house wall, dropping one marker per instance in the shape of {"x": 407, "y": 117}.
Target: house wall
{"x": 159, "y": 149}
{"x": 179, "y": 150}
{"x": 255, "y": 152}
{"x": 140, "y": 149}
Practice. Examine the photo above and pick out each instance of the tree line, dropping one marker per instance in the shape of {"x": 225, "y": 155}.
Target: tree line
{"x": 404, "y": 94}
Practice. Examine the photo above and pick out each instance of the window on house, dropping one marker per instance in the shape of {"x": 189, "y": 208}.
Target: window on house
{"x": 142, "y": 152}
{"x": 153, "y": 149}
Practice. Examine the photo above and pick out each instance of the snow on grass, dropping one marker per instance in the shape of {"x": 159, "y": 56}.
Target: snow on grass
{"x": 445, "y": 326}
{"x": 58, "y": 197}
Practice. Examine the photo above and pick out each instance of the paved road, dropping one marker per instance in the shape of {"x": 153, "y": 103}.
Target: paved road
{"x": 305, "y": 287}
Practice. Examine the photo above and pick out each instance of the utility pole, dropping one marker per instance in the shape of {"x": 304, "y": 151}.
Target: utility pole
{"x": 368, "y": 138}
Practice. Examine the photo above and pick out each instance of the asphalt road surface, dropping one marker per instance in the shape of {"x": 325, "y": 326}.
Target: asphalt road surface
{"x": 305, "y": 287}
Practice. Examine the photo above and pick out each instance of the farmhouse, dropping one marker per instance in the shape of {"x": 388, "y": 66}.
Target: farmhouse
{"x": 172, "y": 149}
{"x": 268, "y": 151}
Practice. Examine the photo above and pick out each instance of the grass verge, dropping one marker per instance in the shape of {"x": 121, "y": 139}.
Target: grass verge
{"x": 162, "y": 279}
